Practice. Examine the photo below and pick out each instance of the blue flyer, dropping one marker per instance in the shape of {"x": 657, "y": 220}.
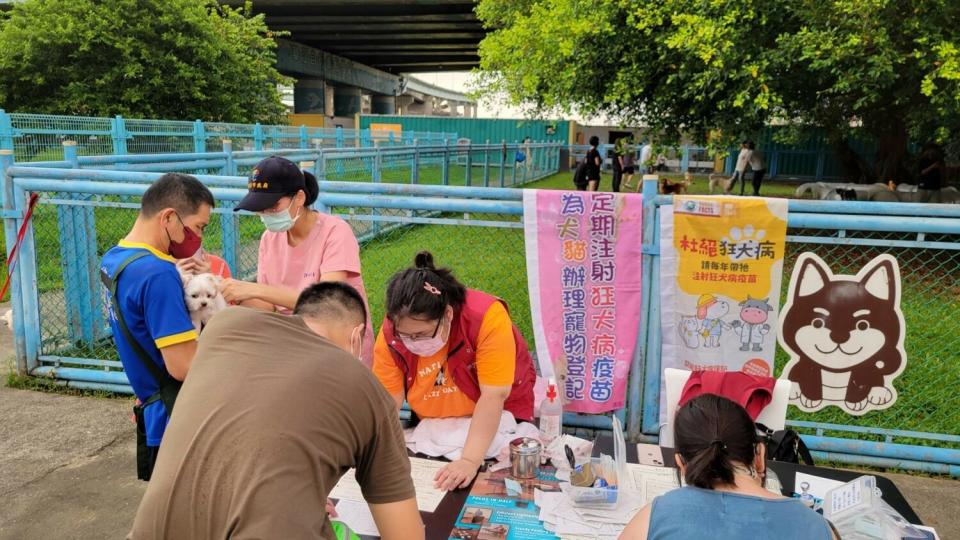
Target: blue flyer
{"x": 502, "y": 508}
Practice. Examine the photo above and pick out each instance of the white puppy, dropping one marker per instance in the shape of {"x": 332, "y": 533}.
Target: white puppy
{"x": 202, "y": 294}
{"x": 8, "y": 319}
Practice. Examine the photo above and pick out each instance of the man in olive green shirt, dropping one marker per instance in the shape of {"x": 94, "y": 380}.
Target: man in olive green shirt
{"x": 274, "y": 412}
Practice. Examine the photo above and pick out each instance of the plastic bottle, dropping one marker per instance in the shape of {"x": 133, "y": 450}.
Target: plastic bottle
{"x": 551, "y": 414}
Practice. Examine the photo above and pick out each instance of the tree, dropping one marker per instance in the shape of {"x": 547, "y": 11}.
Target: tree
{"x": 177, "y": 59}
{"x": 887, "y": 68}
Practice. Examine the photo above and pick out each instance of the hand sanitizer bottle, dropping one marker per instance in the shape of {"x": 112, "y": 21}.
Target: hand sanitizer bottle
{"x": 551, "y": 414}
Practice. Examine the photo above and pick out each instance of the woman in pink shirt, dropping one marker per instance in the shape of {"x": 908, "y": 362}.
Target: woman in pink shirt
{"x": 301, "y": 246}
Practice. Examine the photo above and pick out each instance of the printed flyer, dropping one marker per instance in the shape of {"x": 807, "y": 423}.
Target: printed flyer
{"x": 583, "y": 269}
{"x": 501, "y": 508}
{"x": 721, "y": 264}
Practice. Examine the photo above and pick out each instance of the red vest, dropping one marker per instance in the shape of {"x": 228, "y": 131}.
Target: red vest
{"x": 462, "y": 356}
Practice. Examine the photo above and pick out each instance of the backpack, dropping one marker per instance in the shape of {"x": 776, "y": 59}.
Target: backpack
{"x": 785, "y": 446}
{"x": 520, "y": 157}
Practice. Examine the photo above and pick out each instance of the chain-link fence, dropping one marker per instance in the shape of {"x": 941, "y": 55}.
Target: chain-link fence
{"x": 39, "y": 137}
{"x": 72, "y": 230}
{"x": 930, "y": 300}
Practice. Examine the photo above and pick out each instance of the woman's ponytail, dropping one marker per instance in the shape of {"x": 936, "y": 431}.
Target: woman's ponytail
{"x": 713, "y": 435}
{"x": 709, "y": 466}
{"x": 311, "y": 188}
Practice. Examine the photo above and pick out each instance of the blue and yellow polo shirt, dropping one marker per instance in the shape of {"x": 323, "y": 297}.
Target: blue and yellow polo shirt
{"x": 150, "y": 296}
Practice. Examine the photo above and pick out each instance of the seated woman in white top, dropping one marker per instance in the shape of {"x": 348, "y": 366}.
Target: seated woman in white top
{"x": 723, "y": 462}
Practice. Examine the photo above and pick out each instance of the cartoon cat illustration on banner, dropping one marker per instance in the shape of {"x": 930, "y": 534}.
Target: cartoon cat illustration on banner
{"x": 844, "y": 335}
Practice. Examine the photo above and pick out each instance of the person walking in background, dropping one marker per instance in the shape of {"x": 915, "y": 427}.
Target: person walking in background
{"x": 580, "y": 175}
{"x": 931, "y": 174}
{"x": 757, "y": 166}
{"x": 661, "y": 163}
{"x": 594, "y": 161}
{"x": 628, "y": 162}
{"x": 616, "y": 162}
{"x": 646, "y": 158}
{"x": 743, "y": 159}
{"x": 527, "y": 153}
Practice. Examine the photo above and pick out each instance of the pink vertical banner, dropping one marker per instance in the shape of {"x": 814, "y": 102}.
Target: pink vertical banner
{"x": 583, "y": 269}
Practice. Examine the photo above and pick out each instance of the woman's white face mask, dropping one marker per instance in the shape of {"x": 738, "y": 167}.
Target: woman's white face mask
{"x": 427, "y": 346}
{"x": 281, "y": 220}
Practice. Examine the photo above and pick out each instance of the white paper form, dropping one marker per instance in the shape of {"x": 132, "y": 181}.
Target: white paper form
{"x": 815, "y": 486}
{"x": 422, "y": 471}
{"x": 650, "y": 481}
{"x": 357, "y": 516}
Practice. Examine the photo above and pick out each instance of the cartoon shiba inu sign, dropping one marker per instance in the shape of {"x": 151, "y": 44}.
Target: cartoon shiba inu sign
{"x": 844, "y": 335}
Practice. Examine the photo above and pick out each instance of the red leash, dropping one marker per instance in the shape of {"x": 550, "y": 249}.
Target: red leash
{"x": 34, "y": 197}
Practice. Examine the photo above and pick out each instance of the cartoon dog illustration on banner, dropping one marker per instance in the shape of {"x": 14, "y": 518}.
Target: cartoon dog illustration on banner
{"x": 844, "y": 335}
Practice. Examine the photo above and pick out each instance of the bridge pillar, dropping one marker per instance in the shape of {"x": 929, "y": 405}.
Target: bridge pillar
{"x": 309, "y": 96}
{"x": 403, "y": 103}
{"x": 380, "y": 104}
{"x": 346, "y": 101}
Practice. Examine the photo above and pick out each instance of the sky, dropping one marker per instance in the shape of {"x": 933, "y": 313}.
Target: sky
{"x": 459, "y": 81}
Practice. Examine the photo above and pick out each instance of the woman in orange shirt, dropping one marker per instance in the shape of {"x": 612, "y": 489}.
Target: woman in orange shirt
{"x": 453, "y": 352}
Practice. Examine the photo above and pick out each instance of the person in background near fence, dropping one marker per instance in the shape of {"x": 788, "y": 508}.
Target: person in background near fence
{"x": 646, "y": 157}
{"x": 757, "y": 166}
{"x": 628, "y": 162}
{"x": 453, "y": 352}
{"x": 301, "y": 246}
{"x": 740, "y": 171}
{"x": 154, "y": 335}
{"x": 931, "y": 174}
{"x": 723, "y": 462}
{"x": 594, "y": 163}
{"x": 661, "y": 165}
{"x": 580, "y": 175}
{"x": 527, "y": 153}
{"x": 614, "y": 154}
{"x": 265, "y": 429}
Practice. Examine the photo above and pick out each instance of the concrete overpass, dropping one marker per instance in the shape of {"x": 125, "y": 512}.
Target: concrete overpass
{"x": 396, "y": 36}
{"x": 349, "y": 56}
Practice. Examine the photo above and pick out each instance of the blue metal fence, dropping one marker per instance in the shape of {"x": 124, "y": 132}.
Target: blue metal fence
{"x": 61, "y": 333}
{"x": 39, "y": 137}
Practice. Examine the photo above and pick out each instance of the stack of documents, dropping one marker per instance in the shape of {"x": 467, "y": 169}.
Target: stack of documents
{"x": 571, "y": 522}
{"x": 644, "y": 483}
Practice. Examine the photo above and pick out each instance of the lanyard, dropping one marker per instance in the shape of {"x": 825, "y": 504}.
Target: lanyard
{"x": 34, "y": 197}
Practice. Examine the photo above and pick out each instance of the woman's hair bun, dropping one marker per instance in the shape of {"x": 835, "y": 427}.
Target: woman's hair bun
{"x": 424, "y": 260}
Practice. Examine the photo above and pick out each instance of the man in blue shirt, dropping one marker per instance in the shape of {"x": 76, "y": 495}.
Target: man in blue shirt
{"x": 154, "y": 335}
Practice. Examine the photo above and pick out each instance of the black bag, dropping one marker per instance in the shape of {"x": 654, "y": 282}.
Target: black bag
{"x": 580, "y": 174}
{"x": 169, "y": 387}
{"x": 785, "y": 446}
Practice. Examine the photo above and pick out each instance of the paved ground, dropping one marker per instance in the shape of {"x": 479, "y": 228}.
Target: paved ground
{"x": 67, "y": 469}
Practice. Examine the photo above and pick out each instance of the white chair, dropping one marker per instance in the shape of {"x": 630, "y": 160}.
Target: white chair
{"x": 774, "y": 415}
